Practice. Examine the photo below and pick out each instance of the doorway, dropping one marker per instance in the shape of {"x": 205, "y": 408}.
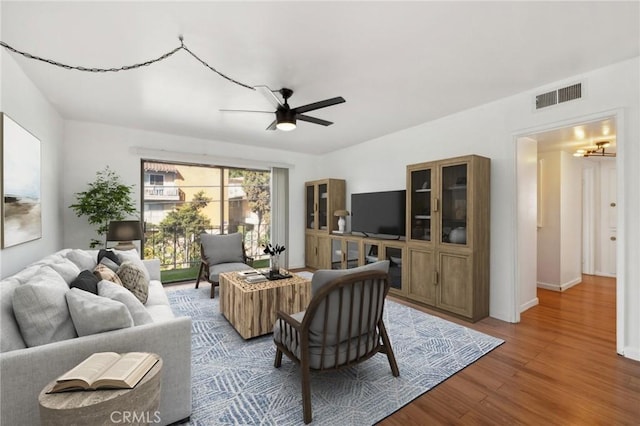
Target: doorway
{"x": 591, "y": 181}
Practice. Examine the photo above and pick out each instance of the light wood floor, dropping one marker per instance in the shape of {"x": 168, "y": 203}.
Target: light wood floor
{"x": 558, "y": 366}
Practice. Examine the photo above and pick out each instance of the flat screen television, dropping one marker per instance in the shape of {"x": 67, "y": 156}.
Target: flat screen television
{"x": 379, "y": 213}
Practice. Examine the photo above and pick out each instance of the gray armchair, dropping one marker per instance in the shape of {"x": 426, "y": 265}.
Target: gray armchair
{"x": 342, "y": 326}
{"x": 221, "y": 253}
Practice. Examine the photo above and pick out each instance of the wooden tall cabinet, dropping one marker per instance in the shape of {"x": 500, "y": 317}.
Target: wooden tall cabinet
{"x": 448, "y": 235}
{"x": 322, "y": 198}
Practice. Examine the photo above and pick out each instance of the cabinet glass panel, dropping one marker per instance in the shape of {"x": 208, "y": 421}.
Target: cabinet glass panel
{"x": 454, "y": 204}
{"x": 336, "y": 254}
{"x": 310, "y": 216}
{"x": 370, "y": 253}
{"x": 353, "y": 253}
{"x": 394, "y": 255}
{"x": 421, "y": 205}
{"x": 322, "y": 206}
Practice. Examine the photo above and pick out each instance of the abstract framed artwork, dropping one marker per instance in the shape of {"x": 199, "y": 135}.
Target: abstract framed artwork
{"x": 20, "y": 185}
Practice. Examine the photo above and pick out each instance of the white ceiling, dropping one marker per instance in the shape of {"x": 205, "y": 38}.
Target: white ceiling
{"x": 397, "y": 64}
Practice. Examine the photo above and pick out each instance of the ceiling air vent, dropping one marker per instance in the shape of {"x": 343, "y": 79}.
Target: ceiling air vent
{"x": 570, "y": 93}
{"x": 558, "y": 96}
{"x": 546, "y": 99}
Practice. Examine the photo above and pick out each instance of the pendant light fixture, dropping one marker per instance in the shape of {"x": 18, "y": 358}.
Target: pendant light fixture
{"x": 595, "y": 151}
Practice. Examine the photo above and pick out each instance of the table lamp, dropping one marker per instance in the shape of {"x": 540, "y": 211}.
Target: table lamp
{"x": 124, "y": 232}
{"x": 341, "y": 222}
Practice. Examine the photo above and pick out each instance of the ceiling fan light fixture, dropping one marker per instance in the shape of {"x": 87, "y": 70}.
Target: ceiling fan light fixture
{"x": 286, "y": 120}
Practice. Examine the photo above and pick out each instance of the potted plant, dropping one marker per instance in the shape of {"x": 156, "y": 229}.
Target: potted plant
{"x": 106, "y": 199}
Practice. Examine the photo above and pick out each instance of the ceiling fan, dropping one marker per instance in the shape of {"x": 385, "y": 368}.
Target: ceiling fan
{"x": 286, "y": 116}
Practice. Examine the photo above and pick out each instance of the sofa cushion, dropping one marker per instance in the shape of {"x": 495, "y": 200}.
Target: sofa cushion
{"x": 82, "y": 259}
{"x": 134, "y": 280}
{"x": 67, "y": 270}
{"x": 92, "y": 314}
{"x": 323, "y": 276}
{"x": 104, "y": 273}
{"x": 134, "y": 257}
{"x": 109, "y": 264}
{"x": 40, "y": 308}
{"x": 9, "y": 330}
{"x": 108, "y": 254}
{"x": 222, "y": 248}
{"x": 86, "y": 281}
{"x": 136, "y": 308}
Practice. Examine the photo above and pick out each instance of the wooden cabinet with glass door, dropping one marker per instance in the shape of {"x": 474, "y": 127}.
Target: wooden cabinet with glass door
{"x": 448, "y": 235}
{"x": 345, "y": 252}
{"x": 322, "y": 198}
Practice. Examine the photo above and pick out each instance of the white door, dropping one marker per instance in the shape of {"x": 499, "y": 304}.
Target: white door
{"x": 609, "y": 218}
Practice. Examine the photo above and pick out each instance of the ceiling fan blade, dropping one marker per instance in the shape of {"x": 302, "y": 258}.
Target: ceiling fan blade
{"x": 314, "y": 120}
{"x": 271, "y": 97}
{"x": 318, "y": 105}
{"x": 243, "y": 110}
{"x": 272, "y": 126}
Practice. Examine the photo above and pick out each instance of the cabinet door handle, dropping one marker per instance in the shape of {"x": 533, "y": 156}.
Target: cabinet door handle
{"x": 436, "y": 205}
{"x": 436, "y": 278}
{"x": 612, "y": 238}
{"x": 315, "y": 207}
{"x": 344, "y": 257}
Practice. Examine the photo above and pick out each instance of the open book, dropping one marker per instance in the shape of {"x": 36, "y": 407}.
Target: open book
{"x": 107, "y": 370}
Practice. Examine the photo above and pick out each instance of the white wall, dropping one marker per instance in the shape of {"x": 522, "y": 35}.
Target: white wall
{"x": 24, "y": 103}
{"x": 560, "y": 236}
{"x": 491, "y": 130}
{"x": 549, "y": 233}
{"x": 570, "y": 220}
{"x": 90, "y": 147}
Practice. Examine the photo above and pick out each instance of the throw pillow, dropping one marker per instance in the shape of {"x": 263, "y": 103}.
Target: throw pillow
{"x": 222, "y": 248}
{"x": 93, "y": 314}
{"x": 104, "y": 273}
{"x": 41, "y": 309}
{"x": 322, "y": 277}
{"x": 67, "y": 270}
{"x": 136, "y": 308}
{"x": 109, "y": 264}
{"x": 82, "y": 259}
{"x": 86, "y": 281}
{"x": 133, "y": 256}
{"x": 109, "y": 254}
{"x": 133, "y": 279}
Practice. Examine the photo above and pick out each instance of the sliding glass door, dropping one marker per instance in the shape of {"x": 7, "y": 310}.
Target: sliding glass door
{"x": 181, "y": 201}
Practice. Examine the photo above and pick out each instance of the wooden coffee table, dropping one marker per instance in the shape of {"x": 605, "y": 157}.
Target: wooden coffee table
{"x": 251, "y": 308}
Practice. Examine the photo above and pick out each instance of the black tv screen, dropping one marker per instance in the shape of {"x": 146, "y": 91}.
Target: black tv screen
{"x": 379, "y": 212}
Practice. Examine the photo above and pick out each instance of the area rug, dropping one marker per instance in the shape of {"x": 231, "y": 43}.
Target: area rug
{"x": 234, "y": 381}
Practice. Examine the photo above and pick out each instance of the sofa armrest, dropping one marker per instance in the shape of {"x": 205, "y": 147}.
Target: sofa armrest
{"x": 24, "y": 372}
{"x": 153, "y": 267}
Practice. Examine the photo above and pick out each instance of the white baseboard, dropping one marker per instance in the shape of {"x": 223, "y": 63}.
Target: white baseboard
{"x": 632, "y": 353}
{"x": 560, "y": 287}
{"x": 604, "y": 274}
{"x": 530, "y": 304}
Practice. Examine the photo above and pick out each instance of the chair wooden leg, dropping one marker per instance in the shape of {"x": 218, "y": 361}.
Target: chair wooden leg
{"x": 278, "y": 361}
{"x": 199, "y": 274}
{"x": 213, "y": 289}
{"x": 387, "y": 349}
{"x": 306, "y": 391}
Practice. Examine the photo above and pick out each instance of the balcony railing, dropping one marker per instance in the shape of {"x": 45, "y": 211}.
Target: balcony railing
{"x": 179, "y": 249}
{"x": 158, "y": 192}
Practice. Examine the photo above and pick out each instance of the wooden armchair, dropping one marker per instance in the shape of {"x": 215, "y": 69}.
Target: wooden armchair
{"x": 221, "y": 253}
{"x": 342, "y": 326}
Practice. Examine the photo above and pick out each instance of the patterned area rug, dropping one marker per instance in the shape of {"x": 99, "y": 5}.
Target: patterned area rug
{"x": 235, "y": 383}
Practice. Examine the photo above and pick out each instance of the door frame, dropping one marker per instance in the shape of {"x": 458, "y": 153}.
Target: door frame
{"x": 618, "y": 116}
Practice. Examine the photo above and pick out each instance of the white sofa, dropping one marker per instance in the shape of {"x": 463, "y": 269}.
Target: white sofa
{"x": 24, "y": 371}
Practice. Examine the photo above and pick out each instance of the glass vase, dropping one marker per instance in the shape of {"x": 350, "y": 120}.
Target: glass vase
{"x": 275, "y": 264}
